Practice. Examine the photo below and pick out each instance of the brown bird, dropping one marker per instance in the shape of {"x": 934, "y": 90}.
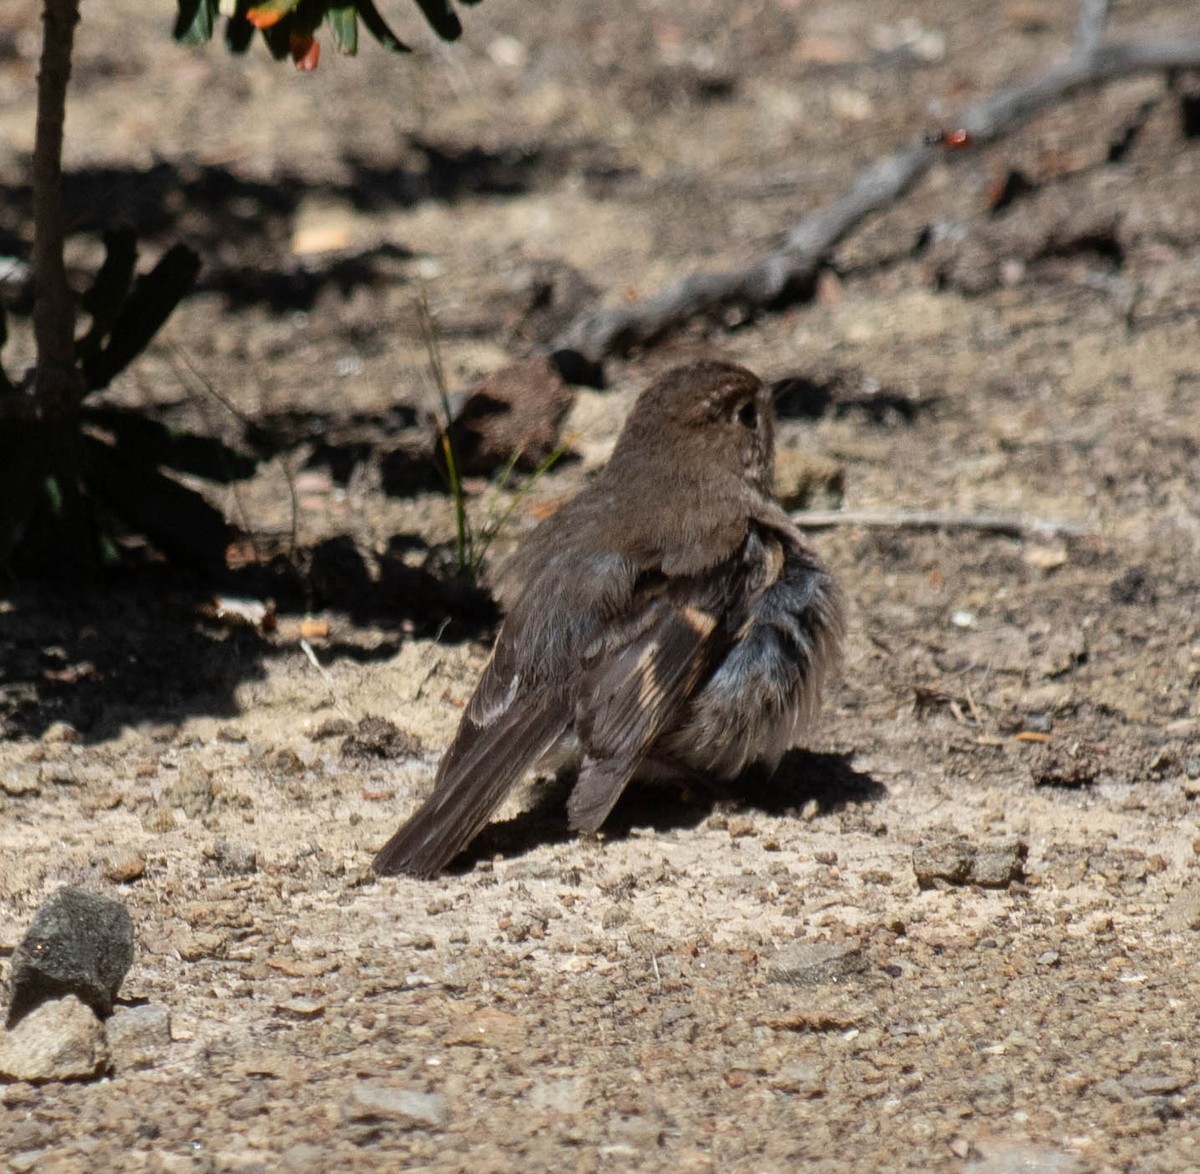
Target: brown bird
{"x": 668, "y": 621}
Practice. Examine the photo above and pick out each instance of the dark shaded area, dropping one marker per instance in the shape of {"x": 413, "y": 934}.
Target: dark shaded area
{"x": 147, "y": 646}
{"x": 1136, "y": 585}
{"x": 127, "y": 654}
{"x": 1009, "y": 190}
{"x": 803, "y": 776}
{"x": 1123, "y": 140}
{"x": 377, "y": 738}
{"x": 1101, "y": 243}
{"x": 296, "y": 285}
{"x": 1189, "y": 115}
{"x": 242, "y": 227}
{"x": 828, "y": 779}
{"x": 798, "y": 397}
{"x": 340, "y": 444}
{"x": 286, "y": 430}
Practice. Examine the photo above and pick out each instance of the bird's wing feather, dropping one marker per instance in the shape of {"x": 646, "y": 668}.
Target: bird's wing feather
{"x": 504, "y": 731}
{"x": 635, "y": 689}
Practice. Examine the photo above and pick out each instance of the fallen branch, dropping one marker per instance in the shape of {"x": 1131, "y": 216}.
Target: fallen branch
{"x": 1089, "y": 27}
{"x": 1012, "y": 525}
{"x": 794, "y": 265}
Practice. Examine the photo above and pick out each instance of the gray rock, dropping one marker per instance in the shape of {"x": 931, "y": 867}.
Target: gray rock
{"x": 992, "y": 1094}
{"x": 78, "y": 943}
{"x": 138, "y": 1036}
{"x": 21, "y": 779}
{"x": 948, "y": 861}
{"x": 1022, "y": 1158}
{"x": 957, "y": 861}
{"x": 1147, "y": 1084}
{"x": 233, "y": 858}
{"x": 192, "y": 790}
{"x": 304, "y": 1158}
{"x": 1182, "y": 912}
{"x": 60, "y": 1040}
{"x": 800, "y": 1079}
{"x": 815, "y": 964}
{"x": 999, "y": 863}
{"x": 566, "y": 1096}
{"x": 371, "y": 1103}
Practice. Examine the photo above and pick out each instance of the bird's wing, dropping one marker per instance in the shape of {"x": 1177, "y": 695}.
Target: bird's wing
{"x": 505, "y": 729}
{"x": 634, "y": 689}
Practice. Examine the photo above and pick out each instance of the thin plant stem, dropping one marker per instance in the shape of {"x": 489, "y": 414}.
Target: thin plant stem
{"x": 462, "y": 539}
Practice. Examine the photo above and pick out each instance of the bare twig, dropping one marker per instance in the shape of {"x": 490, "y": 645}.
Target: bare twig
{"x": 53, "y": 302}
{"x": 1089, "y": 27}
{"x": 1013, "y": 525}
{"x": 326, "y": 676}
{"x": 597, "y": 333}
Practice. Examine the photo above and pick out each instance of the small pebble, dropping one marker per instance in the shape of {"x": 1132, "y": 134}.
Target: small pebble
{"x": 371, "y": 1102}
{"x": 21, "y": 779}
{"x": 123, "y": 867}
{"x": 807, "y": 964}
{"x": 78, "y": 943}
{"x": 138, "y": 1036}
{"x": 59, "y": 1040}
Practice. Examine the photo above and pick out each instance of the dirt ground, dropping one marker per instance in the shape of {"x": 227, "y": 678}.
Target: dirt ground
{"x": 1018, "y": 335}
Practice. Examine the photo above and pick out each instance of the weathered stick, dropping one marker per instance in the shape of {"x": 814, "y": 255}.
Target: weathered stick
{"x": 598, "y": 333}
{"x": 1011, "y": 525}
{"x": 1089, "y": 27}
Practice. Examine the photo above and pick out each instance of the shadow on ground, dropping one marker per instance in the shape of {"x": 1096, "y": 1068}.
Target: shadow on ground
{"x": 803, "y": 777}
{"x": 242, "y": 227}
{"x": 150, "y": 648}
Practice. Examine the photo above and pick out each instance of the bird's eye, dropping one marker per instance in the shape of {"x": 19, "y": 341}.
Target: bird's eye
{"x": 747, "y": 415}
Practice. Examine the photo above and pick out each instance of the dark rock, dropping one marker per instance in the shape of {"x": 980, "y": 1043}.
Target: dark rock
{"x": 552, "y": 294}
{"x": 78, "y": 943}
{"x": 1056, "y": 766}
{"x": 376, "y": 737}
{"x": 332, "y": 727}
{"x": 815, "y": 964}
{"x": 1135, "y": 586}
{"x": 516, "y": 410}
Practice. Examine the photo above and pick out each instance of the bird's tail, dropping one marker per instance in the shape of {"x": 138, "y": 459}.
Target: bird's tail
{"x": 477, "y": 772}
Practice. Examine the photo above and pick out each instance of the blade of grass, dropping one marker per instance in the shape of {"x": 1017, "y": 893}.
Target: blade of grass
{"x": 462, "y": 536}
{"x": 493, "y": 526}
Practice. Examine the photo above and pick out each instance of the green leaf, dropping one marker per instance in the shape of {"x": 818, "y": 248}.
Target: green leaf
{"x": 441, "y": 18}
{"x": 378, "y": 28}
{"x": 150, "y": 304}
{"x": 107, "y": 295}
{"x": 178, "y": 521}
{"x": 150, "y": 442}
{"x": 343, "y": 23}
{"x": 194, "y": 22}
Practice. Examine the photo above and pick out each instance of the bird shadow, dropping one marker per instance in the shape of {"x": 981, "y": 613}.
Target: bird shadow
{"x": 803, "y": 777}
